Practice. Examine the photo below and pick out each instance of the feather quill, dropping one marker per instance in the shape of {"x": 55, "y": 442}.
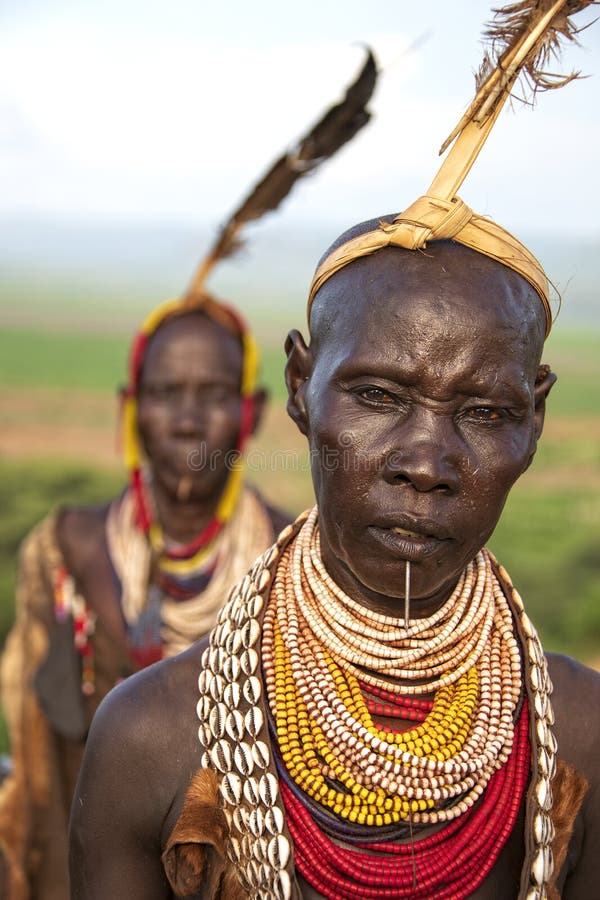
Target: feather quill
{"x": 334, "y": 129}
{"x": 524, "y": 37}
{"x": 511, "y": 22}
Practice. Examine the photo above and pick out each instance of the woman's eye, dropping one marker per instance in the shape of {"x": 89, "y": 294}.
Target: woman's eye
{"x": 160, "y": 391}
{"x": 220, "y": 394}
{"x": 376, "y": 395}
{"x": 486, "y": 413}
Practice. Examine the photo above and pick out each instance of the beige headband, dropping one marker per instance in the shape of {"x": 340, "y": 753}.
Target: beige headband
{"x": 435, "y": 219}
{"x": 440, "y": 214}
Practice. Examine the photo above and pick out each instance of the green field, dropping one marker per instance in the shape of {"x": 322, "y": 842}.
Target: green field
{"x": 547, "y": 538}
{"x": 98, "y": 362}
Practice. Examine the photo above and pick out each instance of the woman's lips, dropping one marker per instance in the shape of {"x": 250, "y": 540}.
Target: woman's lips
{"x": 406, "y": 544}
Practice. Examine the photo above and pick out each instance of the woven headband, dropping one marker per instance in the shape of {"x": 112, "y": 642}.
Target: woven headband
{"x": 432, "y": 218}
{"x": 529, "y": 33}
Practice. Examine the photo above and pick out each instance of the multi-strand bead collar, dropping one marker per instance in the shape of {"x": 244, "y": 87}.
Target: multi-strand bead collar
{"x": 243, "y": 740}
{"x": 317, "y": 643}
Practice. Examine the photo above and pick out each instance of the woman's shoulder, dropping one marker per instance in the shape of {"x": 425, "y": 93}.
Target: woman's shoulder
{"x": 576, "y": 704}
{"x": 80, "y": 531}
{"x": 149, "y": 711}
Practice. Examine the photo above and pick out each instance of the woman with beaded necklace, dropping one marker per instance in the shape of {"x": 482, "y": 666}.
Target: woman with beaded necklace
{"x": 376, "y": 715}
{"x": 104, "y": 592}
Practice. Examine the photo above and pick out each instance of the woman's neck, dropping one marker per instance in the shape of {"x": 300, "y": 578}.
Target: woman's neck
{"x": 182, "y": 520}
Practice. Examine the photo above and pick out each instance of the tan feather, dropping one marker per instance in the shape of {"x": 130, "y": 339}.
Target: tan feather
{"x": 526, "y": 34}
{"x": 338, "y": 126}
{"x": 524, "y": 37}
{"x": 513, "y": 21}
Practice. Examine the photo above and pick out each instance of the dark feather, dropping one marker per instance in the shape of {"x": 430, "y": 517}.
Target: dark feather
{"x": 338, "y": 126}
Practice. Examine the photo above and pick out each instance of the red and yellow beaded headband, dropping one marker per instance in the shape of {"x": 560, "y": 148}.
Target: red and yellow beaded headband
{"x": 528, "y": 34}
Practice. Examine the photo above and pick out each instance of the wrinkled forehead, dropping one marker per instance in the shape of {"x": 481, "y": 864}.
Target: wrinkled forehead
{"x": 440, "y": 287}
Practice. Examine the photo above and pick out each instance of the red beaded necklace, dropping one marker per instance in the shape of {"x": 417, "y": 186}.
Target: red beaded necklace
{"x": 387, "y": 705}
{"x": 447, "y": 865}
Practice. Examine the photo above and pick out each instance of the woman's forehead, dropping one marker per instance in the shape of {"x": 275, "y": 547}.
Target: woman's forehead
{"x": 193, "y": 341}
{"x": 436, "y": 292}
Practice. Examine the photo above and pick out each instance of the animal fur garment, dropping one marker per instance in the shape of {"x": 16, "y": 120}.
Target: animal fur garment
{"x": 188, "y": 861}
{"x": 569, "y": 788}
{"x": 338, "y": 126}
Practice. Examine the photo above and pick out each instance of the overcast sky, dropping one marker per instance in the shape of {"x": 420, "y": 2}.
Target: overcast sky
{"x": 132, "y": 111}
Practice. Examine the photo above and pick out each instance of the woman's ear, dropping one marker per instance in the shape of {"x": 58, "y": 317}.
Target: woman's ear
{"x": 544, "y": 381}
{"x": 297, "y": 373}
{"x": 260, "y": 399}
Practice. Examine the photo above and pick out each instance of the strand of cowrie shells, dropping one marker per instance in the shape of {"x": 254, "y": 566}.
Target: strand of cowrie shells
{"x": 300, "y": 600}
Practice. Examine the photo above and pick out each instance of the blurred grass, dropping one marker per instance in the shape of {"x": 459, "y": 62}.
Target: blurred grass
{"x": 97, "y": 362}
{"x": 548, "y": 542}
{"x": 33, "y": 358}
{"x": 575, "y": 357}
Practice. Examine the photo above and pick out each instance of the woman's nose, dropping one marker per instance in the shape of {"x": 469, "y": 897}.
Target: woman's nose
{"x": 189, "y": 414}
{"x": 426, "y": 453}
